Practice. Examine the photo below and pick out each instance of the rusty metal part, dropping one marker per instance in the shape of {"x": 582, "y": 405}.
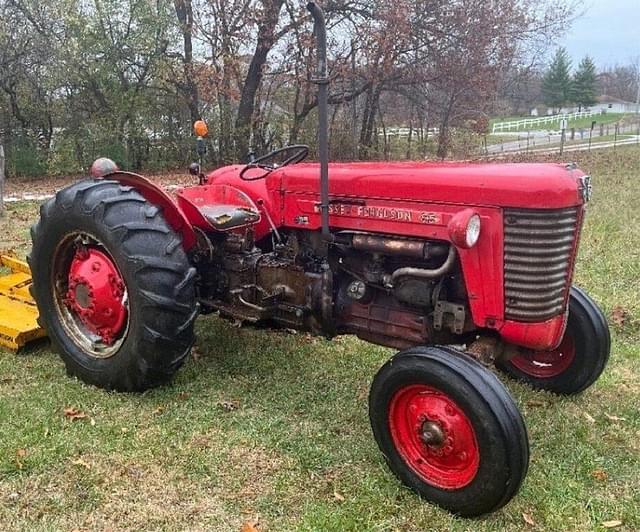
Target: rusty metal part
{"x": 382, "y": 321}
{"x": 486, "y": 349}
{"x": 418, "y": 249}
{"x": 424, "y": 273}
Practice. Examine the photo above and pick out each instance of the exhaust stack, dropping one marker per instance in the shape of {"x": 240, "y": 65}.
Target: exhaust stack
{"x": 322, "y": 80}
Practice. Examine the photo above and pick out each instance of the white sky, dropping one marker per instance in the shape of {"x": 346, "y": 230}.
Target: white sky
{"x": 609, "y": 32}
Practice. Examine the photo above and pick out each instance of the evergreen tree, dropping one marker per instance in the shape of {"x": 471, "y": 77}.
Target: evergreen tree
{"x": 557, "y": 83}
{"x": 584, "y": 83}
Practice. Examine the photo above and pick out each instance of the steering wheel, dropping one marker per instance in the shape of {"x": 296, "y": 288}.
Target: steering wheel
{"x": 298, "y": 153}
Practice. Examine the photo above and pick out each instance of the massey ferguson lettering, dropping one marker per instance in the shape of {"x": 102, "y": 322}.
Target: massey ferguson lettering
{"x": 383, "y": 213}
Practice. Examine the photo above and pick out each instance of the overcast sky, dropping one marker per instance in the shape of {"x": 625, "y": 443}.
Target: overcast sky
{"x": 609, "y": 32}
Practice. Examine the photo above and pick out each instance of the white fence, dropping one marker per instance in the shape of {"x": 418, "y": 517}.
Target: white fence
{"x": 527, "y": 123}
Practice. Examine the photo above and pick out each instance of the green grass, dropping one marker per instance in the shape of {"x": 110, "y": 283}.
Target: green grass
{"x": 274, "y": 426}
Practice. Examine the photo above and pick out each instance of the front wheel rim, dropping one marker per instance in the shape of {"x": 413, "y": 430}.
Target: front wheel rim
{"x": 90, "y": 295}
{"x": 434, "y": 436}
{"x": 547, "y": 364}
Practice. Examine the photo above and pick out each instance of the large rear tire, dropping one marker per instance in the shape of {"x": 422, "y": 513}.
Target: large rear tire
{"x": 449, "y": 430}
{"x": 579, "y": 359}
{"x": 114, "y": 287}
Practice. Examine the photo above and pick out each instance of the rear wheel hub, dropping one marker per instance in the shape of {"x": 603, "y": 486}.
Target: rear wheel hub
{"x": 96, "y": 294}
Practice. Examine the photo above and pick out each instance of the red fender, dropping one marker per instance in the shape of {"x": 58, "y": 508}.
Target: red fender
{"x": 158, "y": 197}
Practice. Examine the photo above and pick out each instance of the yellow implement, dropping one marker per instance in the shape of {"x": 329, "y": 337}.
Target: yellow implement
{"x": 18, "y": 310}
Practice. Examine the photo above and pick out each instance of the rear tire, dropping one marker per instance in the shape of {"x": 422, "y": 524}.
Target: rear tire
{"x": 129, "y": 237}
{"x": 579, "y": 360}
{"x": 449, "y": 430}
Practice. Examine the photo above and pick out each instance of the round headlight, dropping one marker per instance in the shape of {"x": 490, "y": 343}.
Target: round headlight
{"x": 464, "y": 228}
{"x": 473, "y": 231}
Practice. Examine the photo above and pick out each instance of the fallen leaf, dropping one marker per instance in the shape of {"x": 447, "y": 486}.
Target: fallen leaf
{"x": 20, "y": 455}
{"x": 80, "y": 462}
{"x": 183, "y": 395}
{"x": 535, "y": 403}
{"x": 158, "y": 411}
{"x": 228, "y": 406}
{"x": 528, "y": 519}
{"x": 250, "y": 526}
{"x": 337, "y": 496}
{"x": 612, "y": 524}
{"x": 618, "y": 316}
{"x": 74, "y": 414}
{"x": 600, "y": 474}
{"x": 614, "y": 418}
{"x": 589, "y": 418}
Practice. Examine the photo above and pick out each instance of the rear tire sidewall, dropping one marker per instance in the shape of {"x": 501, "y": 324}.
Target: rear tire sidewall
{"x": 159, "y": 279}
{"x": 493, "y": 484}
{"x": 61, "y": 228}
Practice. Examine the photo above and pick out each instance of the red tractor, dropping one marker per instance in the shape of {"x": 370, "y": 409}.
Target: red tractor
{"x": 415, "y": 256}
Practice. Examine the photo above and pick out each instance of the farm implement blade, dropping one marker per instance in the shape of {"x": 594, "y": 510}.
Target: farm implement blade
{"x": 18, "y": 310}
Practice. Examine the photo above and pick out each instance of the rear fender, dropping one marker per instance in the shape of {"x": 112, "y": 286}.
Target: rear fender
{"x": 158, "y": 197}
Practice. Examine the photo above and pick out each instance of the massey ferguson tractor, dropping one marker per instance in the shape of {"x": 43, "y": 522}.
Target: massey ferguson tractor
{"x": 458, "y": 266}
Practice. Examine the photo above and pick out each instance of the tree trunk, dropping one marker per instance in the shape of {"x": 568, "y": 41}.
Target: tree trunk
{"x": 184, "y": 12}
{"x": 1, "y": 180}
{"x": 264, "y": 44}
{"x": 368, "y": 121}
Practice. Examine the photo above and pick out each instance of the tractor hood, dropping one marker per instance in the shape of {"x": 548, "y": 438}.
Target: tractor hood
{"x": 500, "y": 185}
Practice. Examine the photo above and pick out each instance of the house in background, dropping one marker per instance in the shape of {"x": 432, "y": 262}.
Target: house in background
{"x": 606, "y": 104}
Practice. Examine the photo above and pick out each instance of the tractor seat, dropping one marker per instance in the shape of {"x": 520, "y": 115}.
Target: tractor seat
{"x": 223, "y": 217}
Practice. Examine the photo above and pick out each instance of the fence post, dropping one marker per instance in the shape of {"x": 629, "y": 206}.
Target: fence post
{"x": 1, "y": 180}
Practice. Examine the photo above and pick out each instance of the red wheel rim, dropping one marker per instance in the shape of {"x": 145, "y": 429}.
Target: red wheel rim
{"x": 434, "y": 436}
{"x": 95, "y": 294}
{"x": 547, "y": 364}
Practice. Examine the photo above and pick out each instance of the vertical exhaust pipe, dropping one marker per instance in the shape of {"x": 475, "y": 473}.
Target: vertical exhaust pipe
{"x": 322, "y": 80}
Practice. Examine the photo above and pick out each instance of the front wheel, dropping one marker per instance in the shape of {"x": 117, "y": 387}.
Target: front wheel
{"x": 114, "y": 287}
{"x": 449, "y": 430}
{"x": 579, "y": 359}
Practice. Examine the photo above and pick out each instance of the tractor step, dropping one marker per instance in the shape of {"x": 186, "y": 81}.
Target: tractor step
{"x": 18, "y": 310}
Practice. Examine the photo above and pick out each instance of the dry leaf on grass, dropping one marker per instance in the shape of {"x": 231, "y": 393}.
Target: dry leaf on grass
{"x": 158, "y": 411}
{"x": 600, "y": 474}
{"x": 250, "y": 526}
{"x": 618, "y": 316}
{"x": 589, "y": 417}
{"x": 80, "y": 462}
{"x": 228, "y": 406}
{"x": 338, "y": 497}
{"x": 535, "y": 403}
{"x": 614, "y": 418}
{"x": 72, "y": 413}
{"x": 528, "y": 519}
{"x": 21, "y": 454}
{"x": 615, "y": 523}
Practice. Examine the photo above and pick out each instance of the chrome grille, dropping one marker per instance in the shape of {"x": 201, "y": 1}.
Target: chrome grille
{"x": 538, "y": 251}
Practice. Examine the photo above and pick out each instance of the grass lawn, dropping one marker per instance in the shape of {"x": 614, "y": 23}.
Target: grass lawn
{"x": 273, "y": 427}
{"x": 579, "y": 123}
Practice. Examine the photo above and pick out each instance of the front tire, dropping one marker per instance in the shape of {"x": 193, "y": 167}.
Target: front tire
{"x": 579, "y": 359}
{"x": 114, "y": 286}
{"x": 449, "y": 430}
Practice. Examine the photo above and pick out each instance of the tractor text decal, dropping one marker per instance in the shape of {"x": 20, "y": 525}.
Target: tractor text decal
{"x": 383, "y": 213}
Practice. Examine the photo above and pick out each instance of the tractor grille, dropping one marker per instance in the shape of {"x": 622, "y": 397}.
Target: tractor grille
{"x": 538, "y": 251}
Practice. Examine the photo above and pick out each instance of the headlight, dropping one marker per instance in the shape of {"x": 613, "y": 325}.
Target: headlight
{"x": 464, "y": 228}
{"x": 473, "y": 231}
